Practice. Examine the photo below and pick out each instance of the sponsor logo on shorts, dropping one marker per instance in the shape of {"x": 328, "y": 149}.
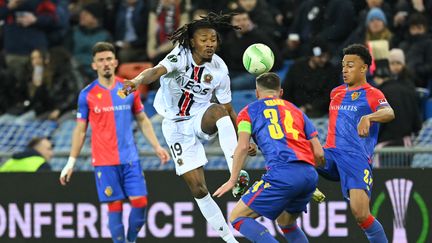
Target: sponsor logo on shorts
{"x": 180, "y": 162}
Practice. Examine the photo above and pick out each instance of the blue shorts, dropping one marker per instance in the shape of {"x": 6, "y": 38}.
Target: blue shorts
{"x": 117, "y": 182}
{"x": 352, "y": 169}
{"x": 288, "y": 188}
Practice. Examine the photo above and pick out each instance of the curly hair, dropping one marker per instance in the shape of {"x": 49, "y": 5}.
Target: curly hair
{"x": 214, "y": 21}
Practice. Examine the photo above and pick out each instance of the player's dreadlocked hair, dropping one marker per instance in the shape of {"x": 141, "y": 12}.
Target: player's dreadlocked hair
{"x": 213, "y": 21}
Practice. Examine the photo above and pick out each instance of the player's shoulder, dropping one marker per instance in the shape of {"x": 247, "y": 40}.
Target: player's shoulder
{"x": 177, "y": 54}
{"x": 372, "y": 90}
{"x": 219, "y": 64}
{"x": 89, "y": 87}
{"x": 338, "y": 89}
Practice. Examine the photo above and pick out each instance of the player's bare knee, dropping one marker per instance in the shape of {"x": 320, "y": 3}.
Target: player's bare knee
{"x": 360, "y": 214}
{"x": 215, "y": 112}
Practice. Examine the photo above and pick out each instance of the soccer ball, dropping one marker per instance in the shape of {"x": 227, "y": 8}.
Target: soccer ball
{"x": 258, "y": 58}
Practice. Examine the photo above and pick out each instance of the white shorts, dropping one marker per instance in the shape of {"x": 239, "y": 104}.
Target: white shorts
{"x": 182, "y": 138}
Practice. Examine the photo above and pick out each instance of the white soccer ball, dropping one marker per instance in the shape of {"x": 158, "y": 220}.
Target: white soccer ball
{"x": 258, "y": 58}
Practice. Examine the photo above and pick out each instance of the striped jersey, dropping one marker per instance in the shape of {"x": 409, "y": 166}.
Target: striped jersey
{"x": 280, "y": 130}
{"x": 187, "y": 87}
{"x": 110, "y": 118}
{"x": 345, "y": 110}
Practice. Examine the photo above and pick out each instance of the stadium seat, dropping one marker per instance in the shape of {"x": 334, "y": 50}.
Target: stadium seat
{"x": 240, "y": 98}
{"x": 424, "y": 139}
{"x": 131, "y": 69}
{"x": 284, "y": 70}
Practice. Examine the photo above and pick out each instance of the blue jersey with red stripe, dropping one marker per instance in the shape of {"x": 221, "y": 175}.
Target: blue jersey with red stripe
{"x": 110, "y": 118}
{"x": 346, "y": 109}
{"x": 280, "y": 130}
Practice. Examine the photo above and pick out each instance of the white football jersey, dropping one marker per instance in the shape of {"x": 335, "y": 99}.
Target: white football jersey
{"x": 188, "y": 87}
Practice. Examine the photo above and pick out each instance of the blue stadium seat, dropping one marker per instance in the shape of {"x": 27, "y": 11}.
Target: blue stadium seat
{"x": 424, "y": 139}
{"x": 148, "y": 103}
{"x": 284, "y": 70}
{"x": 240, "y": 98}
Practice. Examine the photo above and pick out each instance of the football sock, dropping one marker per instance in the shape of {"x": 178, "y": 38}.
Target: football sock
{"x": 374, "y": 230}
{"x": 294, "y": 234}
{"x": 115, "y": 224}
{"x": 215, "y": 218}
{"x": 137, "y": 217}
{"x": 227, "y": 138}
{"x": 253, "y": 230}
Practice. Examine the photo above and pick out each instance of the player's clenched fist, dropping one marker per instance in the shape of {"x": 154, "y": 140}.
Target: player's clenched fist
{"x": 129, "y": 86}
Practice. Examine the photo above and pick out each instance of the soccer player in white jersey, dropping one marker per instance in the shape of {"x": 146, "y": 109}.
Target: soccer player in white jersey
{"x": 188, "y": 76}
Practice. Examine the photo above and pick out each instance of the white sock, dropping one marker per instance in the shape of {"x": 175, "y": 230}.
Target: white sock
{"x": 227, "y": 138}
{"x": 215, "y": 218}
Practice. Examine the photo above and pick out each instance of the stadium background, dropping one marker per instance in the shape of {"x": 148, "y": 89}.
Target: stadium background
{"x": 21, "y": 194}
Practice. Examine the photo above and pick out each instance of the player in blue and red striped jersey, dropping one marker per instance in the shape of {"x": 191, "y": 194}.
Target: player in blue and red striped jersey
{"x": 289, "y": 143}
{"x": 356, "y": 109}
{"x": 118, "y": 173}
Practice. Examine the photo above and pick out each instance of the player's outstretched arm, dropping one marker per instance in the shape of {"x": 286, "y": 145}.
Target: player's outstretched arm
{"x": 78, "y": 138}
{"x": 147, "y": 129}
{"x": 318, "y": 152}
{"x": 228, "y": 107}
{"x": 383, "y": 115}
{"x": 240, "y": 154}
{"x": 145, "y": 77}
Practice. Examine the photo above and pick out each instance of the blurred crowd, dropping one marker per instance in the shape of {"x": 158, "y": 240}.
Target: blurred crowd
{"x": 46, "y": 48}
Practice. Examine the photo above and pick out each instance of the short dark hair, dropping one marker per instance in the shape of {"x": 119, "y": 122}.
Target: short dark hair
{"x": 101, "y": 47}
{"x": 359, "y": 50}
{"x": 269, "y": 81}
{"x": 35, "y": 141}
{"x": 417, "y": 19}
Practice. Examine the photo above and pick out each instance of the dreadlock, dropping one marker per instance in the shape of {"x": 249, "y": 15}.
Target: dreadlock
{"x": 213, "y": 21}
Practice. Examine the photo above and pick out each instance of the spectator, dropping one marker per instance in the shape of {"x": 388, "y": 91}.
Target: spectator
{"x": 26, "y": 24}
{"x": 82, "y": 38}
{"x": 375, "y": 29}
{"x": 33, "y": 98}
{"x": 131, "y": 30}
{"x": 400, "y": 93}
{"x": 310, "y": 80}
{"x": 236, "y": 42}
{"x": 33, "y": 159}
{"x": 262, "y": 15}
{"x": 164, "y": 18}
{"x": 418, "y": 49}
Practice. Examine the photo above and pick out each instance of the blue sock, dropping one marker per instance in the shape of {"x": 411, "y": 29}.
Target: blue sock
{"x": 374, "y": 230}
{"x": 137, "y": 219}
{"x": 294, "y": 234}
{"x": 116, "y": 227}
{"x": 253, "y": 230}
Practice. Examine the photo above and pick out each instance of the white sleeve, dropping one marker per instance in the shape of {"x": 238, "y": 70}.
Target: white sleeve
{"x": 173, "y": 61}
{"x": 223, "y": 91}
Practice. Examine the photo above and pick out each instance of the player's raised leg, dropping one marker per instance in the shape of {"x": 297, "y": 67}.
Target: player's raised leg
{"x": 243, "y": 220}
{"x": 359, "y": 203}
{"x": 217, "y": 119}
{"x": 210, "y": 210}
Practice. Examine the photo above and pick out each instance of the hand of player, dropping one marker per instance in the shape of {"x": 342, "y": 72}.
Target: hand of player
{"x": 252, "y": 151}
{"x": 129, "y": 86}
{"x": 363, "y": 126}
{"x": 67, "y": 171}
{"x": 227, "y": 186}
{"x": 66, "y": 175}
{"x": 162, "y": 154}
